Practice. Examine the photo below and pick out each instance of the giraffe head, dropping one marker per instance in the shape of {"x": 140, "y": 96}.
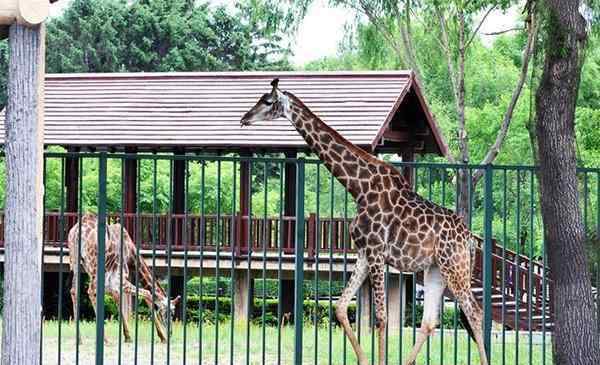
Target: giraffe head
{"x": 270, "y": 106}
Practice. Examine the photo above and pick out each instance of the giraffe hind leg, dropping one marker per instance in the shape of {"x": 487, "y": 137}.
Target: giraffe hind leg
{"x": 378, "y": 285}
{"x": 434, "y": 291}
{"x": 468, "y": 304}
{"x": 359, "y": 275}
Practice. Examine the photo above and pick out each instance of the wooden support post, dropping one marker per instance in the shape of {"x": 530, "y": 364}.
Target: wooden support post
{"x": 72, "y": 184}
{"x": 24, "y": 197}
{"x": 289, "y": 210}
{"x": 245, "y": 173}
{"x": 396, "y": 301}
{"x": 131, "y": 172}
{"x": 289, "y": 203}
{"x": 364, "y": 310}
{"x": 408, "y": 171}
{"x": 243, "y": 286}
{"x": 176, "y": 289}
{"x": 178, "y": 206}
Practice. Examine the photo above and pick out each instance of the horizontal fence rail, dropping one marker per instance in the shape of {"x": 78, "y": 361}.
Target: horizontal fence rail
{"x": 240, "y": 260}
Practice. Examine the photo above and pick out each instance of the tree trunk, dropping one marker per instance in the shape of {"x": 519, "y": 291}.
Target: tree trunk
{"x": 575, "y": 339}
{"x": 23, "y": 219}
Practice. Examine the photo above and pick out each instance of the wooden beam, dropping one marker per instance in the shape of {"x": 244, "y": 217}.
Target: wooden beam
{"x": 26, "y": 12}
{"x": 396, "y": 136}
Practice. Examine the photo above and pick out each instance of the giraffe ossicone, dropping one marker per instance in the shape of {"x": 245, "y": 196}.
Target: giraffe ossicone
{"x": 393, "y": 225}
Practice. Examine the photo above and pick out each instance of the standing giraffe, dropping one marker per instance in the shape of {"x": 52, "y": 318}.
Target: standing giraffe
{"x": 113, "y": 280}
{"x": 393, "y": 225}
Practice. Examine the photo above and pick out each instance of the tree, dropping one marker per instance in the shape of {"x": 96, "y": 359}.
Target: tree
{"x": 455, "y": 25}
{"x": 157, "y": 36}
{"x": 576, "y": 339}
{"x": 21, "y": 326}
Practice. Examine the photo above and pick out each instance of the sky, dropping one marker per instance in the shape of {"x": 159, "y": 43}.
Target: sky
{"x": 322, "y": 29}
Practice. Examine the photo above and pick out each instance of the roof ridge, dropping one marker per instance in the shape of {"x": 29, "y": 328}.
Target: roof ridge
{"x": 227, "y": 74}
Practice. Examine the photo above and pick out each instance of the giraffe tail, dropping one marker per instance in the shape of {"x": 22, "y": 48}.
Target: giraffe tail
{"x": 466, "y": 325}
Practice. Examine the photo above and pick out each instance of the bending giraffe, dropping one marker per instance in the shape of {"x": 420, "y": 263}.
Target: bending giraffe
{"x": 393, "y": 225}
{"x": 114, "y": 266}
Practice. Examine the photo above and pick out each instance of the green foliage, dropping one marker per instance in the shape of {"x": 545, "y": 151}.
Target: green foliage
{"x": 268, "y": 289}
{"x": 157, "y": 35}
{"x": 205, "y": 308}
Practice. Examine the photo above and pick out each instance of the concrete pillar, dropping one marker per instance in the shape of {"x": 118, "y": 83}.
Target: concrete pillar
{"x": 364, "y": 308}
{"x": 396, "y": 301}
{"x": 244, "y": 294}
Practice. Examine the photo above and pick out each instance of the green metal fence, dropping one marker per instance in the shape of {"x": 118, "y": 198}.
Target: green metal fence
{"x": 259, "y": 263}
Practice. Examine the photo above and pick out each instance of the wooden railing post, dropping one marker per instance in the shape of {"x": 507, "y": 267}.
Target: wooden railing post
{"x": 311, "y": 229}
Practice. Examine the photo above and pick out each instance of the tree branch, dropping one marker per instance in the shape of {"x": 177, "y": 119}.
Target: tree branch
{"x": 479, "y": 26}
{"x": 501, "y": 136}
{"x": 504, "y": 31}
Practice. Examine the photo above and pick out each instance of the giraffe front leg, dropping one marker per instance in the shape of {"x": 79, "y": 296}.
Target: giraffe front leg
{"x": 378, "y": 283}
{"x": 341, "y": 311}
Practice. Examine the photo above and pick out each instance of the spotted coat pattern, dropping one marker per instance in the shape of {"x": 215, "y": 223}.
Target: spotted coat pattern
{"x": 395, "y": 226}
{"x": 116, "y": 271}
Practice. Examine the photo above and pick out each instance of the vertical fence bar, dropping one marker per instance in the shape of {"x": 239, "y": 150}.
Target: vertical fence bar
{"x": 61, "y": 238}
{"x": 233, "y": 274}
{"x": 138, "y": 244}
{"x": 487, "y": 261}
{"x": 279, "y": 260}
{"x": 101, "y": 249}
{"x": 186, "y": 239}
{"x": 77, "y": 275}
{"x": 202, "y": 240}
{"x": 299, "y": 262}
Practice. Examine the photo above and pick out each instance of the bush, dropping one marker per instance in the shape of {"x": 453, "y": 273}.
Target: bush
{"x": 312, "y": 311}
{"x": 271, "y": 287}
{"x": 447, "y": 319}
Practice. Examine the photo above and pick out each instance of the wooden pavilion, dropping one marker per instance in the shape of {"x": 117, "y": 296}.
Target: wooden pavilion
{"x": 195, "y": 113}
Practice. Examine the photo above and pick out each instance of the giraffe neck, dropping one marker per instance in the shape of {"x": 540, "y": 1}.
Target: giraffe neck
{"x": 348, "y": 163}
{"x": 146, "y": 278}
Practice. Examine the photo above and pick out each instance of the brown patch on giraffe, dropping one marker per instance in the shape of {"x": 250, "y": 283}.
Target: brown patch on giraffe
{"x": 347, "y": 156}
{"x": 325, "y": 138}
{"x": 363, "y": 174}
{"x": 384, "y": 202}
{"x": 335, "y": 157}
{"x": 411, "y": 224}
{"x": 350, "y": 168}
{"x": 337, "y": 148}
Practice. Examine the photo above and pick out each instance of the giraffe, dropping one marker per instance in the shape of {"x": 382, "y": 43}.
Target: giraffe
{"x": 393, "y": 225}
{"x": 113, "y": 267}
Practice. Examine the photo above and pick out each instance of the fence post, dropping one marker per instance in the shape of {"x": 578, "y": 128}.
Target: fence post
{"x": 299, "y": 263}
{"x": 487, "y": 261}
{"x": 101, "y": 249}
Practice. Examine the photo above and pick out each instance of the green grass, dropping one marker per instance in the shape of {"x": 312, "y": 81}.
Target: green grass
{"x": 256, "y": 350}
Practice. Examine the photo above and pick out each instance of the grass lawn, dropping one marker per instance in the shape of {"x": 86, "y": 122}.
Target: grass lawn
{"x": 146, "y": 350}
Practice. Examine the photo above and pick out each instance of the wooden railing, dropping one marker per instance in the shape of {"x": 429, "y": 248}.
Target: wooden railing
{"x": 510, "y": 272}
{"x": 228, "y": 232}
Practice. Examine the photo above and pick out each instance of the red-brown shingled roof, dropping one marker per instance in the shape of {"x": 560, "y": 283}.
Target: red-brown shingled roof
{"x": 202, "y": 110}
